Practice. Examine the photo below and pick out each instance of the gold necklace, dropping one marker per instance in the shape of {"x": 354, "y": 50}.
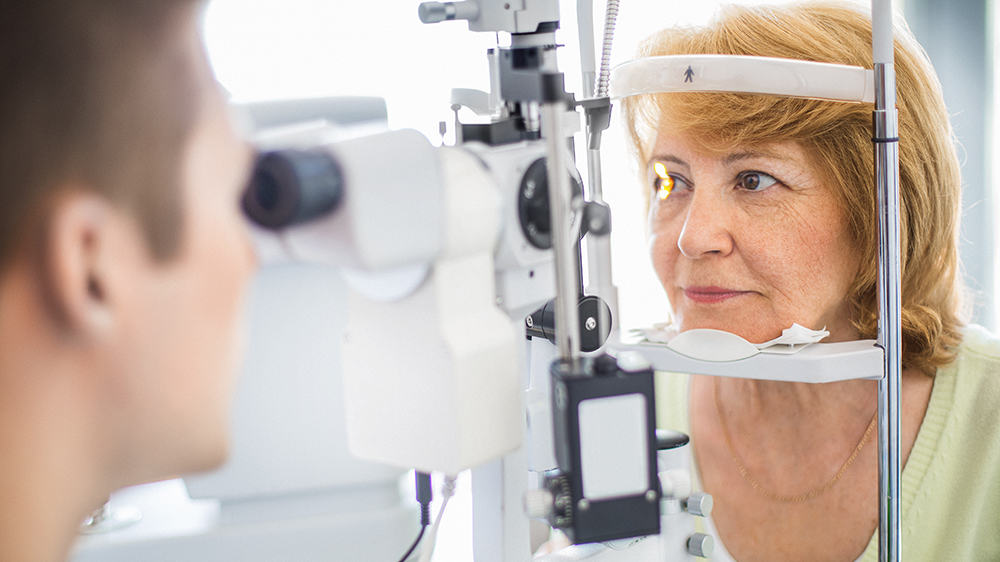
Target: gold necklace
{"x": 797, "y": 498}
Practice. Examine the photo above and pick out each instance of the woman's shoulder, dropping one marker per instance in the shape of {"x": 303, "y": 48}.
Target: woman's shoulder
{"x": 975, "y": 378}
{"x": 978, "y": 359}
{"x": 953, "y": 472}
{"x": 980, "y": 342}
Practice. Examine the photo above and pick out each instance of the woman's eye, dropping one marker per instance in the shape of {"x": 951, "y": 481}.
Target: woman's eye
{"x": 755, "y": 181}
{"x": 665, "y": 183}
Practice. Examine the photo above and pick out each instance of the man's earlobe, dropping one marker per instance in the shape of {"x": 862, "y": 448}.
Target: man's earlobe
{"x": 75, "y": 257}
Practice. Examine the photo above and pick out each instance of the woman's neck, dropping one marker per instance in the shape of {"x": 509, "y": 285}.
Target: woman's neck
{"x": 781, "y": 422}
{"x": 775, "y": 401}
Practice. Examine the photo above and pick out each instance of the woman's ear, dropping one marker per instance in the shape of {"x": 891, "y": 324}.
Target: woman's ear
{"x": 78, "y": 237}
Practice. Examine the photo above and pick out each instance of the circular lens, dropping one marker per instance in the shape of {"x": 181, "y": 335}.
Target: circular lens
{"x": 265, "y": 190}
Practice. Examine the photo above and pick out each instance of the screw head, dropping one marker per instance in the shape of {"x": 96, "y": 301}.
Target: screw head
{"x": 583, "y": 504}
{"x": 590, "y": 324}
{"x": 651, "y": 495}
{"x": 700, "y": 545}
{"x": 530, "y": 322}
{"x": 529, "y": 189}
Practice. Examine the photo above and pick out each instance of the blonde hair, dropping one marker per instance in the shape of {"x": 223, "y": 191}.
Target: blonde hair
{"x": 837, "y": 136}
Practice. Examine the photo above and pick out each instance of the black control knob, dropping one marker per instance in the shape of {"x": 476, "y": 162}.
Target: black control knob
{"x": 595, "y": 322}
{"x": 533, "y": 204}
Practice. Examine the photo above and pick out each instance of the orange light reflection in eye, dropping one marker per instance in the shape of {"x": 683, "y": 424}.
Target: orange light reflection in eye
{"x": 666, "y": 181}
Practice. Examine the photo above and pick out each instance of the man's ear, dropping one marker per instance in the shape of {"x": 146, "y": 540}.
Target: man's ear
{"x": 78, "y": 238}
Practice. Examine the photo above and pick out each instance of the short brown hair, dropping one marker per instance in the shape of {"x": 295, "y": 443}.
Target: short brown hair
{"x": 97, "y": 94}
{"x": 838, "y": 138}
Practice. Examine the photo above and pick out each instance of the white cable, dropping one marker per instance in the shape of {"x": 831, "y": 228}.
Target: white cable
{"x": 447, "y": 491}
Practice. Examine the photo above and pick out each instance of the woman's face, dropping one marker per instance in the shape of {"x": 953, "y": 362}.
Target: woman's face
{"x": 748, "y": 241}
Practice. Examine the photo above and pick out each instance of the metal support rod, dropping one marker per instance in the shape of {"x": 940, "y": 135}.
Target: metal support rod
{"x": 588, "y": 60}
{"x": 599, "y": 277}
{"x": 886, "y": 145}
{"x": 890, "y": 339}
{"x": 563, "y": 239}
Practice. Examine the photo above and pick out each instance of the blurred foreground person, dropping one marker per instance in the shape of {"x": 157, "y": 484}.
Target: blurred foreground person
{"x": 123, "y": 259}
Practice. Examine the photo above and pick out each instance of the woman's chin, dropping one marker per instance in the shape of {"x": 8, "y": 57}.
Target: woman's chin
{"x": 752, "y": 332}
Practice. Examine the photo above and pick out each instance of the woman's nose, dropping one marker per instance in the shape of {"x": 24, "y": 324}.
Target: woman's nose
{"x": 706, "y": 230}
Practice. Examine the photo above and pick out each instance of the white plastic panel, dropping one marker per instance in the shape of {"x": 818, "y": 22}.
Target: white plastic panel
{"x": 735, "y": 73}
{"x": 613, "y": 452}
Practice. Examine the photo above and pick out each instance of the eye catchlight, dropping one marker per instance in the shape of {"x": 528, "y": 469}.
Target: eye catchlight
{"x": 742, "y": 74}
{"x": 665, "y": 183}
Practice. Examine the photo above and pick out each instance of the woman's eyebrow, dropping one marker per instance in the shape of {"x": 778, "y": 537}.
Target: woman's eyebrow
{"x": 749, "y": 154}
{"x": 668, "y": 158}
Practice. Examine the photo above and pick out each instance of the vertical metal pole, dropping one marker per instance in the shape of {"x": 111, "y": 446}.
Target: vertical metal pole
{"x": 599, "y": 247}
{"x": 599, "y": 251}
{"x": 886, "y": 142}
{"x": 563, "y": 240}
{"x": 585, "y": 32}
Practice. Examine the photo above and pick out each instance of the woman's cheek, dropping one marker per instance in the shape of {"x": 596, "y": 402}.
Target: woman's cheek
{"x": 663, "y": 254}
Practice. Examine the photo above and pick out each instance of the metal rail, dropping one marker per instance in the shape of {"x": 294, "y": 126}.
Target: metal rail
{"x": 563, "y": 240}
{"x": 886, "y": 146}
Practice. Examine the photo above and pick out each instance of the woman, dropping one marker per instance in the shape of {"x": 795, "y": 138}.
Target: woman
{"x": 762, "y": 214}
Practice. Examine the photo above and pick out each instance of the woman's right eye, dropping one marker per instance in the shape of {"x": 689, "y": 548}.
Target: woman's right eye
{"x": 665, "y": 183}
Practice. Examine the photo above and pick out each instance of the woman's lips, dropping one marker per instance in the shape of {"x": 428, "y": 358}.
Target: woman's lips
{"x": 711, "y": 294}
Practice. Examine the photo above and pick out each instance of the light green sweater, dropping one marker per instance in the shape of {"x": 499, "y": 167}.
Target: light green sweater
{"x": 950, "y": 489}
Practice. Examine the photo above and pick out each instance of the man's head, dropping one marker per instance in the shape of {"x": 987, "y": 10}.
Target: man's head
{"x": 123, "y": 257}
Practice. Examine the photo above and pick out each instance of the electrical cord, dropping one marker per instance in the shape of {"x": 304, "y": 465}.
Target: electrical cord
{"x": 447, "y": 491}
{"x": 413, "y": 546}
{"x": 422, "y": 481}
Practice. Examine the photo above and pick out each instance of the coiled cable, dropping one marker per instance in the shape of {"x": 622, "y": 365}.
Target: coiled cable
{"x": 610, "y": 19}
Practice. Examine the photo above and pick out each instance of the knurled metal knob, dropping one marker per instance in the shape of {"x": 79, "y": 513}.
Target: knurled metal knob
{"x": 701, "y": 545}
{"x": 434, "y": 12}
{"x": 699, "y": 503}
{"x": 537, "y": 503}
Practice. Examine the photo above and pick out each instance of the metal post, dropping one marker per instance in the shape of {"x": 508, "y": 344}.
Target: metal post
{"x": 585, "y": 32}
{"x": 563, "y": 240}
{"x": 886, "y": 143}
{"x": 599, "y": 247}
{"x": 599, "y": 250}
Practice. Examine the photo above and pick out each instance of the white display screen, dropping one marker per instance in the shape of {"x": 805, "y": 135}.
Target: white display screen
{"x": 613, "y": 448}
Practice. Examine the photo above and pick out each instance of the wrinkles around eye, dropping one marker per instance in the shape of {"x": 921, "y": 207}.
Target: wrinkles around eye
{"x": 755, "y": 180}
